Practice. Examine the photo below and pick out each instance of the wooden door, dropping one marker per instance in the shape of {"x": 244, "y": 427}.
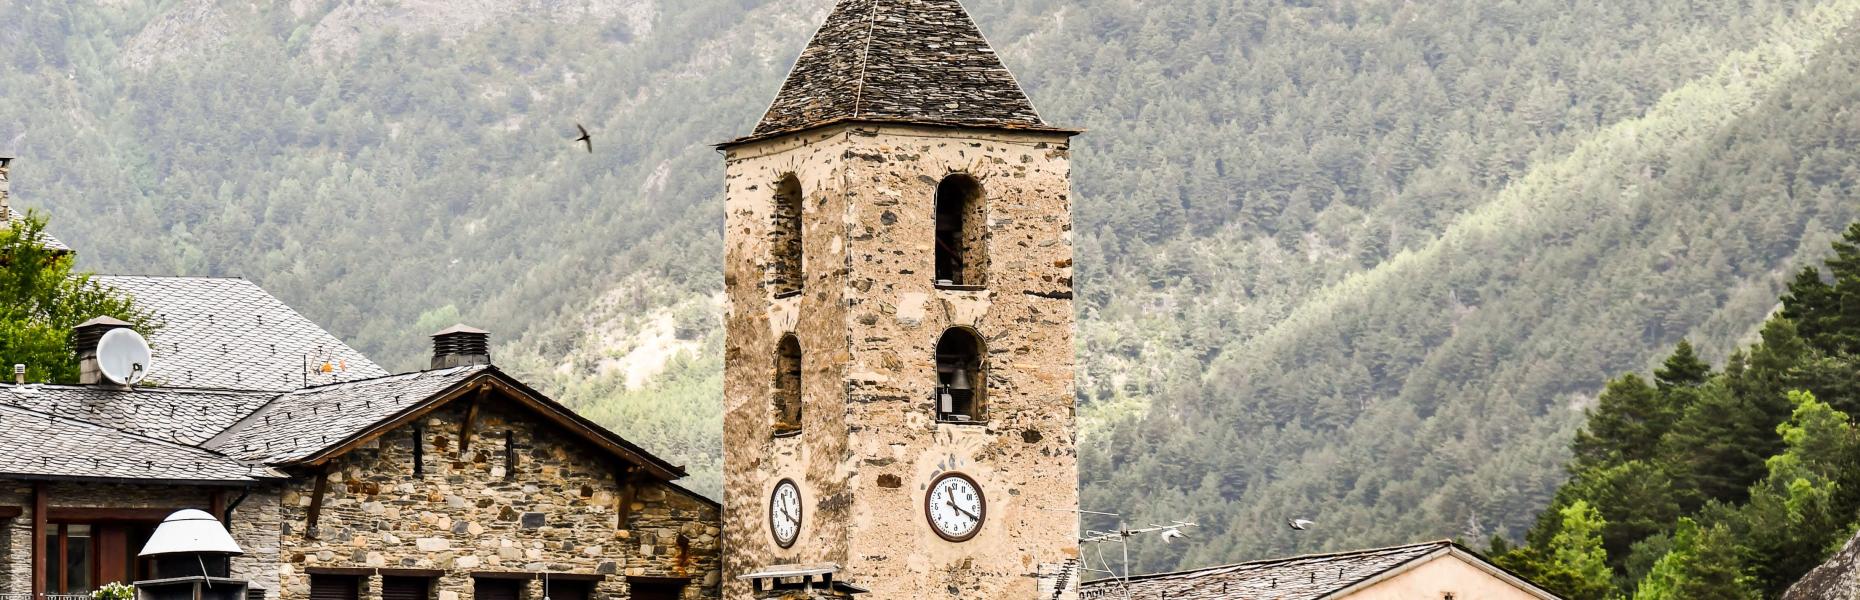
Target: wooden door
{"x": 113, "y": 555}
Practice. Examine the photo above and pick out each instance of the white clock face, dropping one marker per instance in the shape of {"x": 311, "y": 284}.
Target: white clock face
{"x": 785, "y": 513}
{"x": 956, "y": 507}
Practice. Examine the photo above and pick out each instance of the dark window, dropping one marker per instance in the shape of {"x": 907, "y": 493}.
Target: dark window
{"x": 788, "y": 386}
{"x": 570, "y": 590}
{"x": 961, "y": 228}
{"x": 495, "y": 589}
{"x": 510, "y": 455}
{"x": 655, "y": 590}
{"x": 785, "y": 241}
{"x": 334, "y": 587}
{"x": 419, "y": 450}
{"x": 961, "y": 379}
{"x": 405, "y": 588}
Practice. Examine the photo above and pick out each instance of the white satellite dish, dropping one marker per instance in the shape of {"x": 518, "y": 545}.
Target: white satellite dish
{"x": 123, "y": 356}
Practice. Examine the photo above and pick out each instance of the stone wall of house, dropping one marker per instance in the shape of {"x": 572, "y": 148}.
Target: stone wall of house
{"x": 869, "y": 321}
{"x": 466, "y": 513}
{"x": 254, "y": 523}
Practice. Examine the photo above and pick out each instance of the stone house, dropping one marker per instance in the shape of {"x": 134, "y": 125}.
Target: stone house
{"x": 340, "y": 480}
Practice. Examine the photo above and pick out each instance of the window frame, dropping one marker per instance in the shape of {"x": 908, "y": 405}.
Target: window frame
{"x": 784, "y": 398}
{"x": 970, "y": 254}
{"x": 978, "y": 378}
{"x": 787, "y": 277}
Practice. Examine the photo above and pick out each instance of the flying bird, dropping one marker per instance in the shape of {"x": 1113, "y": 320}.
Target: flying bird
{"x": 1300, "y": 524}
{"x": 585, "y": 138}
{"x": 1171, "y": 535}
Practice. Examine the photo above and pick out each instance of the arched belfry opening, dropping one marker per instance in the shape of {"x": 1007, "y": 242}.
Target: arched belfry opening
{"x": 785, "y": 241}
{"x": 962, "y": 380}
{"x": 961, "y": 232}
{"x": 788, "y": 386}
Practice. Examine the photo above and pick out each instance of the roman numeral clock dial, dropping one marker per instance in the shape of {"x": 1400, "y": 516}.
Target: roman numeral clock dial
{"x": 785, "y": 513}
{"x": 956, "y": 507}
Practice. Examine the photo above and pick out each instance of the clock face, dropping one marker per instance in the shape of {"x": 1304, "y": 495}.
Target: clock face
{"x": 956, "y": 507}
{"x": 785, "y": 513}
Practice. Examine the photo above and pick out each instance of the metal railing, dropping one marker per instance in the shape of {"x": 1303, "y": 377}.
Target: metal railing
{"x": 84, "y": 596}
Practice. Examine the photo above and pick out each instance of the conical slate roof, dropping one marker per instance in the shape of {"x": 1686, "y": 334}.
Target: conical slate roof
{"x": 914, "y": 61}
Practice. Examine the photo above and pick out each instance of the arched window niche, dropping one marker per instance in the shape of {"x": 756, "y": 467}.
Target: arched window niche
{"x": 962, "y": 378}
{"x": 961, "y": 233}
{"x": 787, "y": 406}
{"x": 785, "y": 242}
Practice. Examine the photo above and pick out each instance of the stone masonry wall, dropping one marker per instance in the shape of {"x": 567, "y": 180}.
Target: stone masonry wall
{"x": 869, "y": 322}
{"x": 254, "y": 523}
{"x": 464, "y": 516}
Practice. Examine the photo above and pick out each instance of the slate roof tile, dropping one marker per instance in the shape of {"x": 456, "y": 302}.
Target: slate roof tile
{"x": 1299, "y": 578}
{"x": 8, "y": 216}
{"x": 915, "y": 61}
{"x": 183, "y": 416}
{"x": 43, "y": 445}
{"x": 298, "y": 424}
{"x": 230, "y": 334}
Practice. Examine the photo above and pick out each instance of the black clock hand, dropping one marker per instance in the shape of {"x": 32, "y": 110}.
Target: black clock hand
{"x": 972, "y": 516}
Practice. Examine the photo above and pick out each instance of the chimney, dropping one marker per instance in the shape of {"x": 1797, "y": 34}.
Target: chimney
{"x": 5, "y": 188}
{"x": 19, "y": 374}
{"x": 460, "y": 346}
{"x": 85, "y": 339}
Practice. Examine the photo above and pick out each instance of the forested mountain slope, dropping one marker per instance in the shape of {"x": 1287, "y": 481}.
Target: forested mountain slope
{"x": 1360, "y": 261}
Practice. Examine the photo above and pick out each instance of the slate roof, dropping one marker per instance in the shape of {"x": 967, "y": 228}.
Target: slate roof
{"x": 8, "y": 216}
{"x": 299, "y": 424}
{"x": 230, "y": 334}
{"x": 43, "y": 445}
{"x": 184, "y": 416}
{"x": 1299, "y": 578}
{"x": 914, "y": 61}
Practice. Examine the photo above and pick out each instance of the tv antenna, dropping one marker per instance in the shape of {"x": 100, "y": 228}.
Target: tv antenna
{"x": 124, "y": 357}
{"x": 1122, "y": 535}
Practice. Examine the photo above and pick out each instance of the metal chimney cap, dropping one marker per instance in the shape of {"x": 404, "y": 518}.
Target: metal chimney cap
{"x": 103, "y": 321}
{"x": 191, "y": 531}
{"x": 462, "y": 328}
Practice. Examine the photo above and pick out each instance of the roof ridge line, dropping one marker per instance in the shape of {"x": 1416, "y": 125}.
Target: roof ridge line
{"x": 1273, "y": 561}
{"x": 865, "y": 58}
{"x": 996, "y": 50}
{"x": 205, "y": 277}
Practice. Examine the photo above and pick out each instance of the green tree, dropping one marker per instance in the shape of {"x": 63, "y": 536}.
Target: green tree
{"x": 1576, "y": 565}
{"x": 42, "y": 298}
{"x": 1683, "y": 368}
{"x": 1704, "y": 564}
{"x": 1627, "y": 415}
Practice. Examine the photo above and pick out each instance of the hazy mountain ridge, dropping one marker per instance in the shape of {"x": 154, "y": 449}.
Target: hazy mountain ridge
{"x": 1296, "y": 220}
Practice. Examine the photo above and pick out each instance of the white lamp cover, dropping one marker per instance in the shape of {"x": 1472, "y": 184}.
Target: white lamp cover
{"x": 191, "y": 532}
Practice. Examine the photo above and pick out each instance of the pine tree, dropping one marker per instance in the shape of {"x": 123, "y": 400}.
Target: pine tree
{"x": 1682, "y": 369}
{"x": 1627, "y": 415}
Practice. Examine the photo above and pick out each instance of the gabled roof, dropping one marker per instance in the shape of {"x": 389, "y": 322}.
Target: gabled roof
{"x": 41, "y": 445}
{"x": 1311, "y": 577}
{"x": 177, "y": 415}
{"x": 230, "y": 334}
{"x": 913, "y": 61}
{"x": 300, "y": 424}
{"x": 313, "y": 425}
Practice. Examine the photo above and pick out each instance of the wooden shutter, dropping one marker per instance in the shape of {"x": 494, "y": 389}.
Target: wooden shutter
{"x": 494, "y": 589}
{"x": 334, "y": 587}
{"x": 405, "y": 588}
{"x": 655, "y": 590}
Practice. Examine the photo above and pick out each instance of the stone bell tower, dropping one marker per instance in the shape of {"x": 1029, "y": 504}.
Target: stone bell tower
{"x": 899, "y": 374}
